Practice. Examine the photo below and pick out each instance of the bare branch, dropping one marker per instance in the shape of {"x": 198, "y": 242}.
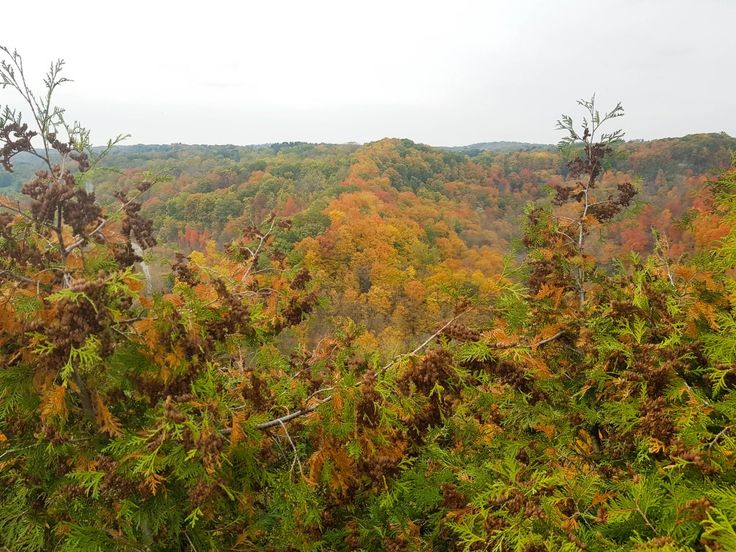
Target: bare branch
{"x": 296, "y": 414}
{"x": 21, "y": 278}
{"x": 293, "y": 447}
{"x": 423, "y": 345}
{"x": 551, "y": 338}
{"x": 256, "y": 253}
{"x": 529, "y": 346}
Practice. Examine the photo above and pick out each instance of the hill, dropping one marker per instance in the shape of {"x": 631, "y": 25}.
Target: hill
{"x": 475, "y": 149}
{"x": 399, "y": 228}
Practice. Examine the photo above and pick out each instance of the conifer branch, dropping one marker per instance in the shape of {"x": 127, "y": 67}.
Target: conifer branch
{"x": 304, "y": 411}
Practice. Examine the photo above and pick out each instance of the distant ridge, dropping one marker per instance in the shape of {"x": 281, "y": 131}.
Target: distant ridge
{"x": 501, "y": 146}
{"x": 655, "y": 153}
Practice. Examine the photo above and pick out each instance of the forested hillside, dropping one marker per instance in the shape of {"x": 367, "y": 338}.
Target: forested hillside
{"x": 377, "y": 347}
{"x": 394, "y": 232}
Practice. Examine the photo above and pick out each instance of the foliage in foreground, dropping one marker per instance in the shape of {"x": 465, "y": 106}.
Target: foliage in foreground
{"x": 596, "y": 412}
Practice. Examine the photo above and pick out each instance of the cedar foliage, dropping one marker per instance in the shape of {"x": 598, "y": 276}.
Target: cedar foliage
{"x": 594, "y": 412}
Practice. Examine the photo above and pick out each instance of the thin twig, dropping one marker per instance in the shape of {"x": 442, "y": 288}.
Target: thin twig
{"x": 10, "y": 451}
{"x": 293, "y": 447}
{"x": 256, "y": 253}
{"x": 423, "y": 344}
{"x": 531, "y": 345}
{"x": 317, "y": 392}
{"x": 572, "y": 241}
{"x": 714, "y": 440}
{"x": 21, "y": 278}
{"x": 296, "y": 414}
{"x": 547, "y": 340}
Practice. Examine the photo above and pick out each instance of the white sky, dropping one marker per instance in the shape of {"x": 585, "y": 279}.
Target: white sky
{"x": 440, "y": 72}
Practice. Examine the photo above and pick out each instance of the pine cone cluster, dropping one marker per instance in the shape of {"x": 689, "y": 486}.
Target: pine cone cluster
{"x": 657, "y": 422}
{"x": 255, "y": 390}
{"x": 77, "y": 318}
{"x": 461, "y": 333}
{"x": 698, "y": 508}
{"x": 494, "y": 523}
{"x": 434, "y": 368}
{"x": 297, "y": 308}
{"x": 16, "y": 138}
{"x": 113, "y": 484}
{"x": 234, "y": 316}
{"x": 124, "y": 254}
{"x": 134, "y": 225}
{"x": 56, "y": 194}
{"x": 696, "y": 457}
{"x": 592, "y": 164}
{"x": 202, "y": 493}
{"x": 210, "y": 446}
{"x": 183, "y": 271}
{"x": 171, "y": 412}
{"x": 380, "y": 467}
{"x": 367, "y": 408}
{"x": 452, "y": 499}
{"x": 301, "y": 279}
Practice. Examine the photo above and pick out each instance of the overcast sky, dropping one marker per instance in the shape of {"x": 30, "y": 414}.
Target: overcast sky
{"x": 443, "y": 73}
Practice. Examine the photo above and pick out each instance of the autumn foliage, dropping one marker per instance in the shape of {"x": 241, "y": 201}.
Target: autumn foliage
{"x": 553, "y": 401}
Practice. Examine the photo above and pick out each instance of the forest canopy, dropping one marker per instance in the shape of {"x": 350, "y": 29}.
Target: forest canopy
{"x": 378, "y": 347}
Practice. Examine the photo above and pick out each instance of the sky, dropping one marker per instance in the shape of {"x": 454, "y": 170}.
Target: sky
{"x": 451, "y": 72}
